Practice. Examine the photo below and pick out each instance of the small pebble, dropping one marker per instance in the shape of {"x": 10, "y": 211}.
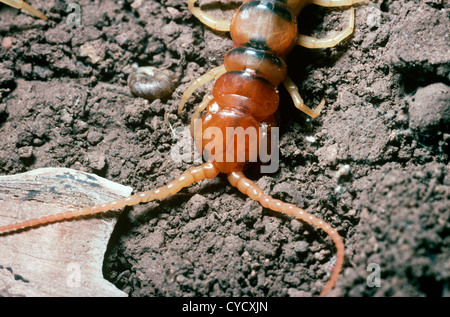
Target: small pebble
{"x": 430, "y": 107}
{"x": 25, "y": 152}
{"x": 8, "y": 42}
{"x": 94, "y": 137}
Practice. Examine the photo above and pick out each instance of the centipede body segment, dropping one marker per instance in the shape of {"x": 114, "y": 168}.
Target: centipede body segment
{"x": 244, "y": 96}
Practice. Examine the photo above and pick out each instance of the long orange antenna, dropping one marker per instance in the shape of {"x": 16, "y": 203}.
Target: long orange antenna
{"x": 249, "y": 188}
{"x": 195, "y": 174}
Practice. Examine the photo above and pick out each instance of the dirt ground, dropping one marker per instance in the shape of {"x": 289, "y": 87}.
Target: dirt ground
{"x": 374, "y": 164}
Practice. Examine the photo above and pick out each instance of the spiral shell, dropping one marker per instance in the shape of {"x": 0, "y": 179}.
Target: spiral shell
{"x": 152, "y": 83}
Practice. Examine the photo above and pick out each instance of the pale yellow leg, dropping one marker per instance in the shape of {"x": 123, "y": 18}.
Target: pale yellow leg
{"x": 207, "y": 19}
{"x": 202, "y": 106}
{"x": 210, "y": 75}
{"x": 292, "y": 88}
{"x": 336, "y": 3}
{"x": 312, "y": 42}
{"x": 20, "y": 4}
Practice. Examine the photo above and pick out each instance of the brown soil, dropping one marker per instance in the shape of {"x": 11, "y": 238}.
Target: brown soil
{"x": 375, "y": 164}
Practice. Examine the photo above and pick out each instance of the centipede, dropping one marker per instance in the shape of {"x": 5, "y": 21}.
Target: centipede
{"x": 244, "y": 95}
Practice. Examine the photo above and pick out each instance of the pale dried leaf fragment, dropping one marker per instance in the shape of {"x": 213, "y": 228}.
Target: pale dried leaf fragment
{"x": 59, "y": 259}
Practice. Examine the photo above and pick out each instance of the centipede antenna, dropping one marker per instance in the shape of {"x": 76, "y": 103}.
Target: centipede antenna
{"x": 195, "y": 174}
{"x": 20, "y": 4}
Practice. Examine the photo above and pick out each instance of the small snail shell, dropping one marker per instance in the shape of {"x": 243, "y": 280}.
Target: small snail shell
{"x": 151, "y": 83}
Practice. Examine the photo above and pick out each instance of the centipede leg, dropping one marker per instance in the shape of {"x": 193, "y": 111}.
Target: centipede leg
{"x": 202, "y": 80}
{"x": 249, "y": 188}
{"x": 207, "y": 19}
{"x": 336, "y": 3}
{"x": 292, "y": 88}
{"x": 194, "y": 174}
{"x": 312, "y": 42}
{"x": 202, "y": 106}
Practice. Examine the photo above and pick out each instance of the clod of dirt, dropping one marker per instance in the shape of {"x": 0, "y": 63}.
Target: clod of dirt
{"x": 197, "y": 206}
{"x": 421, "y": 52}
{"x": 430, "y": 108}
{"x": 7, "y": 81}
{"x": 94, "y": 50}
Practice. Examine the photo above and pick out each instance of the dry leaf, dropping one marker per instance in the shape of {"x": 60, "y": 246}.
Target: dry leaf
{"x": 59, "y": 259}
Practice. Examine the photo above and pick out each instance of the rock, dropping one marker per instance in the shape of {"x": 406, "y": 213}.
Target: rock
{"x": 25, "y": 152}
{"x": 42, "y": 72}
{"x": 197, "y": 206}
{"x": 95, "y": 50}
{"x": 94, "y": 137}
{"x": 430, "y": 107}
{"x": 97, "y": 161}
{"x": 59, "y": 259}
{"x": 8, "y": 42}
{"x": 328, "y": 154}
